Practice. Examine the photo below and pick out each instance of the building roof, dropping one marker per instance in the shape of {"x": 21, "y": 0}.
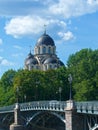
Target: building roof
{"x": 31, "y": 60}
{"x": 45, "y": 39}
{"x": 50, "y": 60}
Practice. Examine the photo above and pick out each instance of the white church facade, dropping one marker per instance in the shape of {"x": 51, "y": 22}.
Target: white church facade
{"x": 44, "y": 57}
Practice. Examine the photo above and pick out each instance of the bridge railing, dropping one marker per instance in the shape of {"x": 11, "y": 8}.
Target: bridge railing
{"x": 6, "y": 109}
{"x": 90, "y": 107}
{"x": 44, "y": 105}
{"x": 36, "y": 105}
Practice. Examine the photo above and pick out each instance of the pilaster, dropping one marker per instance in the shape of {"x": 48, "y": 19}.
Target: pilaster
{"x": 17, "y": 124}
{"x": 74, "y": 121}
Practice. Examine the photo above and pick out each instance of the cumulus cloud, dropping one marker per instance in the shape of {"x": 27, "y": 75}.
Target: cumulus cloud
{"x": 66, "y": 36}
{"x": 5, "y": 62}
{"x": 65, "y": 8}
{"x": 24, "y": 26}
{"x": 72, "y": 8}
{"x": 28, "y": 25}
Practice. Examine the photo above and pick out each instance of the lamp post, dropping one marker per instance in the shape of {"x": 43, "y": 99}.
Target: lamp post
{"x": 25, "y": 98}
{"x": 60, "y": 90}
{"x": 70, "y": 82}
{"x": 17, "y": 92}
{"x": 36, "y": 93}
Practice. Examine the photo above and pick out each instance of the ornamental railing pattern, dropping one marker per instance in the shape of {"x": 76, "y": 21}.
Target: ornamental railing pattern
{"x": 37, "y": 105}
{"x": 90, "y": 107}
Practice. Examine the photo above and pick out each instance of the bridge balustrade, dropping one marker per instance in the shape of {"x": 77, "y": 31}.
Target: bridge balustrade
{"x": 87, "y": 107}
{"x": 6, "y": 109}
{"x": 36, "y": 105}
{"x": 82, "y": 107}
{"x": 43, "y": 105}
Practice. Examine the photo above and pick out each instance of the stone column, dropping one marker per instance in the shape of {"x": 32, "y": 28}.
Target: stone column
{"x": 17, "y": 124}
{"x": 74, "y": 121}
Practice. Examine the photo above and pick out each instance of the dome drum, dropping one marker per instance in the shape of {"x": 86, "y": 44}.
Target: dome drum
{"x": 43, "y": 49}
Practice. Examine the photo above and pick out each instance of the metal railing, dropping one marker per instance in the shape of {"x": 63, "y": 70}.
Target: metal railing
{"x": 36, "y": 105}
{"x": 90, "y": 107}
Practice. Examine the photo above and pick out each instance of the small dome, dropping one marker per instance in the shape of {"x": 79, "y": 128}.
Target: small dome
{"x": 30, "y": 59}
{"x": 29, "y": 56}
{"x": 45, "y": 40}
{"x": 50, "y": 60}
{"x": 61, "y": 63}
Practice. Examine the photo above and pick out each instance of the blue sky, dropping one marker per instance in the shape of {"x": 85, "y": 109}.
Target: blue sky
{"x": 73, "y": 24}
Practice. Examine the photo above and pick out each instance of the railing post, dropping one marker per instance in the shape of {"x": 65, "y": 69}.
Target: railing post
{"x": 73, "y": 120}
{"x": 17, "y": 123}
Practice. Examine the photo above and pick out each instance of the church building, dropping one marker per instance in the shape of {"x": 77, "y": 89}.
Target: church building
{"x": 44, "y": 57}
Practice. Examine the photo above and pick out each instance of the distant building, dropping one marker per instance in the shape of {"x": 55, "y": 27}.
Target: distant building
{"x": 44, "y": 57}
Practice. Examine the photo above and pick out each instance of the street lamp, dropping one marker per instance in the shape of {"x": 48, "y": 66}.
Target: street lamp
{"x": 70, "y": 82}
{"x": 25, "y": 98}
{"x": 17, "y": 93}
{"x": 36, "y": 93}
{"x": 60, "y": 90}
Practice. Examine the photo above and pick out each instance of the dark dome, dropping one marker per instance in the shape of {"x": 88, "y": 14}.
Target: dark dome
{"x": 29, "y": 56}
{"x": 30, "y": 59}
{"x": 45, "y": 40}
{"x": 53, "y": 61}
{"x": 50, "y": 60}
{"x": 61, "y": 63}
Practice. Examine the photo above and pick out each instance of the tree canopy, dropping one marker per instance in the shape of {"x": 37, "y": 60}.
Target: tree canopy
{"x": 25, "y": 85}
{"x": 83, "y": 66}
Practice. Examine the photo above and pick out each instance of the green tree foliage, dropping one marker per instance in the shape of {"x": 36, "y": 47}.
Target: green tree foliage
{"x": 39, "y": 85}
{"x": 84, "y": 67}
{"x": 6, "y": 88}
{"x": 25, "y": 85}
{"x": 29, "y": 84}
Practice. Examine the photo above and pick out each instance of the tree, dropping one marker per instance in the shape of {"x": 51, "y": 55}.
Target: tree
{"x": 83, "y": 65}
{"x": 6, "y": 88}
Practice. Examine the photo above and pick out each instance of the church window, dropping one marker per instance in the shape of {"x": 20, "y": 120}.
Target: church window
{"x": 49, "y": 50}
{"x": 44, "y": 49}
{"x": 45, "y": 67}
{"x": 39, "y": 50}
{"x": 53, "y": 50}
{"x": 50, "y": 66}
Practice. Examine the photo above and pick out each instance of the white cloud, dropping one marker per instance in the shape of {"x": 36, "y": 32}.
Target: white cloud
{"x": 1, "y": 42}
{"x": 5, "y": 62}
{"x": 24, "y": 26}
{"x": 70, "y": 8}
{"x": 17, "y": 55}
{"x": 65, "y": 8}
{"x": 28, "y": 25}
{"x": 66, "y": 36}
{"x": 17, "y": 47}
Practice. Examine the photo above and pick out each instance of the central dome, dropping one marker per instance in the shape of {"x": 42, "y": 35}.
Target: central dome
{"x": 45, "y": 40}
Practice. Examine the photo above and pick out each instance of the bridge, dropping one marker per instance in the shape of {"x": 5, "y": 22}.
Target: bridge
{"x": 51, "y": 115}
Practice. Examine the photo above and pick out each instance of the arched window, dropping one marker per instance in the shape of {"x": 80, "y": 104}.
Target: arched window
{"x": 53, "y": 50}
{"x": 44, "y": 49}
{"x": 49, "y": 50}
{"x": 45, "y": 67}
{"x": 38, "y": 50}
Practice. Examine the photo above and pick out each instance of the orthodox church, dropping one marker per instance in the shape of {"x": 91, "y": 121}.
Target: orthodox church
{"x": 44, "y": 57}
